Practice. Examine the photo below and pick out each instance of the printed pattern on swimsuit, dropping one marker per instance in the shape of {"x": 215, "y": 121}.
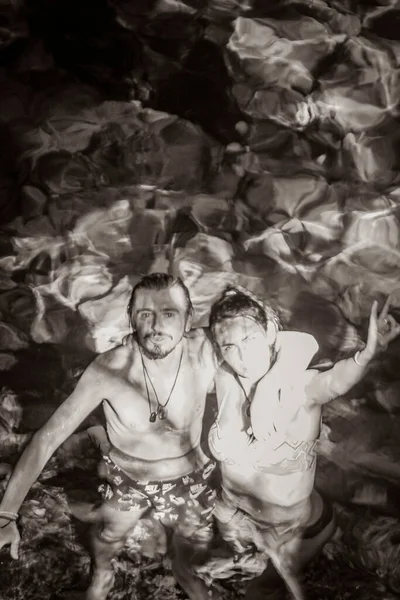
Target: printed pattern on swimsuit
{"x": 189, "y": 499}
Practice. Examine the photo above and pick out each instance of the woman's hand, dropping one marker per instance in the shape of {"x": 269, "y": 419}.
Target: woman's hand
{"x": 383, "y": 329}
{"x": 339, "y": 380}
{"x": 9, "y": 534}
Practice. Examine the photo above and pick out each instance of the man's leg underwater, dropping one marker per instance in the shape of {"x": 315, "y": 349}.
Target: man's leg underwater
{"x": 193, "y": 533}
{"x": 108, "y": 538}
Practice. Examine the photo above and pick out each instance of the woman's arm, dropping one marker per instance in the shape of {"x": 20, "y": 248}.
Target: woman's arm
{"x": 346, "y": 373}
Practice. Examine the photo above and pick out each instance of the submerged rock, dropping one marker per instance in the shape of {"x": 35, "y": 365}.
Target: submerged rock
{"x": 11, "y": 338}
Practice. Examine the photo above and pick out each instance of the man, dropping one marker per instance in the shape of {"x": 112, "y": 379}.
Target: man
{"x": 153, "y": 390}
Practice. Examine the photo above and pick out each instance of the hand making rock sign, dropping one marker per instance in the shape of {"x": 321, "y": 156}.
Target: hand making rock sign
{"x": 266, "y": 433}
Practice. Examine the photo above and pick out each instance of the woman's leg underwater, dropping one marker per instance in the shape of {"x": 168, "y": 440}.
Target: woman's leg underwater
{"x": 270, "y": 585}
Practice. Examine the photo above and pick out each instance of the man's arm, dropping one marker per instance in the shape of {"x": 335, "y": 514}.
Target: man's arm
{"x": 202, "y": 344}
{"x": 346, "y": 373}
{"x": 84, "y": 399}
{"x": 210, "y": 349}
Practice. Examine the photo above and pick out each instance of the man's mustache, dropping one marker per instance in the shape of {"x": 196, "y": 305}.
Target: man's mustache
{"x": 151, "y": 336}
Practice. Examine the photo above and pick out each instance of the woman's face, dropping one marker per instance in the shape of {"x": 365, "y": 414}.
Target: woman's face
{"x": 245, "y": 346}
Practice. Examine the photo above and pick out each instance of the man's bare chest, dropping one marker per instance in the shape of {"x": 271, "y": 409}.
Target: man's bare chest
{"x": 140, "y": 402}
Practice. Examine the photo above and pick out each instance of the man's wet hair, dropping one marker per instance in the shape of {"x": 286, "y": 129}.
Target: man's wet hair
{"x": 236, "y": 301}
{"x": 158, "y": 282}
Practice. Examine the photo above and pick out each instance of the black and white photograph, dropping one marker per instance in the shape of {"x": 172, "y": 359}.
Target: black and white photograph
{"x": 199, "y": 299}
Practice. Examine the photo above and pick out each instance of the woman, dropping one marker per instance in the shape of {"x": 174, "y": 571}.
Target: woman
{"x": 265, "y": 435}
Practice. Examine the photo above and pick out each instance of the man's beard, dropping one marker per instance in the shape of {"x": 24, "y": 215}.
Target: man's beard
{"x": 156, "y": 351}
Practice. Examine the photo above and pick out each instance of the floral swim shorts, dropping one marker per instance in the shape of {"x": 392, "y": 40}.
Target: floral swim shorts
{"x": 186, "y": 503}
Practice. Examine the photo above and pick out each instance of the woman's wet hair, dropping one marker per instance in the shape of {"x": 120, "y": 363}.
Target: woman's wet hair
{"x": 158, "y": 282}
{"x": 236, "y": 301}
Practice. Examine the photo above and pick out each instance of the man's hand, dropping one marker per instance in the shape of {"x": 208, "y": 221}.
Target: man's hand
{"x": 9, "y": 534}
{"x": 383, "y": 329}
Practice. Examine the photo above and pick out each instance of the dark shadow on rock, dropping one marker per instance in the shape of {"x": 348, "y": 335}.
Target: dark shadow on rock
{"x": 85, "y": 39}
{"x": 200, "y": 92}
{"x": 386, "y": 25}
{"x": 11, "y": 175}
{"x": 42, "y": 378}
{"x": 322, "y": 319}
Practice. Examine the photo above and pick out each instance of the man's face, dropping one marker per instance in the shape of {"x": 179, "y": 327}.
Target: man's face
{"x": 160, "y": 320}
{"x": 245, "y": 346}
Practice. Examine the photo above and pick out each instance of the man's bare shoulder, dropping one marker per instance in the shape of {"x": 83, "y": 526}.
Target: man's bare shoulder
{"x": 116, "y": 359}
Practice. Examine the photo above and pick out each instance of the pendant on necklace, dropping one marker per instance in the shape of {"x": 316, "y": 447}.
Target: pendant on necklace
{"x": 162, "y": 413}
{"x": 153, "y": 417}
{"x": 248, "y": 411}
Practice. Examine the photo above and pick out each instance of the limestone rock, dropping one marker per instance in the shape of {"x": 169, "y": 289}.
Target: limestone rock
{"x": 106, "y": 317}
{"x": 12, "y": 338}
{"x": 7, "y": 361}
